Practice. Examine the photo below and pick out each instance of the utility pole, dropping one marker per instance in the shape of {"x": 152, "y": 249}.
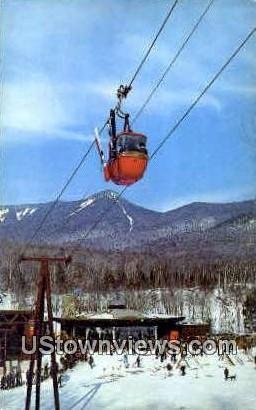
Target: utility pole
{"x": 43, "y": 291}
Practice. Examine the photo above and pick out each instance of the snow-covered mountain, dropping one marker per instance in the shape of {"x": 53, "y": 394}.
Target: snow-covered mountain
{"x": 104, "y": 221}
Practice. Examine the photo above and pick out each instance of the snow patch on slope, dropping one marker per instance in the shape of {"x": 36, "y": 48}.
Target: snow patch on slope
{"x": 25, "y": 212}
{"x": 110, "y": 195}
{"x": 83, "y": 205}
{"x": 86, "y": 203}
{"x": 3, "y": 212}
{"x": 130, "y": 219}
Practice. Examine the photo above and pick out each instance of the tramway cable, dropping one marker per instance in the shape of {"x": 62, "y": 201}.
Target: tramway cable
{"x": 53, "y": 204}
{"x": 153, "y": 42}
{"x": 198, "y": 98}
{"x": 172, "y": 62}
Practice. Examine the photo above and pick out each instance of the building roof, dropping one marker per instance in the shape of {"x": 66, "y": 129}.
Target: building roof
{"x": 122, "y": 313}
{"x": 119, "y": 317}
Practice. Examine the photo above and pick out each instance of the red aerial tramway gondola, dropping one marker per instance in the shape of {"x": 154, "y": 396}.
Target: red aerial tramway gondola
{"x": 128, "y": 157}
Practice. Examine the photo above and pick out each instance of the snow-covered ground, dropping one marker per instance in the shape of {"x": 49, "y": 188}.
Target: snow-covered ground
{"x": 110, "y": 386}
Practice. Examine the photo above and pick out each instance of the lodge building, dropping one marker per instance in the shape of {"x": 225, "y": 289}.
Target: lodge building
{"x": 117, "y": 322}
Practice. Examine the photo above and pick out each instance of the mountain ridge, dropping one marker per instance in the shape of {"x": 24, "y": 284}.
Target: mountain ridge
{"x": 119, "y": 224}
{"x": 111, "y": 193}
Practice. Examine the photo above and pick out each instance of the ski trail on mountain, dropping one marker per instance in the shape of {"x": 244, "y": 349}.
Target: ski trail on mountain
{"x": 130, "y": 219}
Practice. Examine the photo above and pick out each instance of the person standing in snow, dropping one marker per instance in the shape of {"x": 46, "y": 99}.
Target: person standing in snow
{"x": 46, "y": 371}
{"x": 169, "y": 368}
{"x": 91, "y": 362}
{"x": 19, "y": 378}
{"x": 9, "y": 381}
{"x": 126, "y": 363}
{"x": 12, "y": 379}
{"x": 163, "y": 356}
{"x": 226, "y": 373}
{"x": 138, "y": 361}
{"x": 183, "y": 370}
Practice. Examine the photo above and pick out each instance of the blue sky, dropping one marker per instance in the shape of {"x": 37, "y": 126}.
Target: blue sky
{"x": 62, "y": 63}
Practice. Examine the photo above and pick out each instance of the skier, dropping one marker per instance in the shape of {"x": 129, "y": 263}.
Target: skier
{"x": 8, "y": 381}
{"x": 126, "y": 363}
{"x": 226, "y": 373}
{"x": 91, "y": 362}
{"x": 183, "y": 370}
{"x": 138, "y": 361}
{"x": 12, "y": 380}
{"x": 19, "y": 378}
{"x": 46, "y": 371}
{"x": 16, "y": 379}
{"x": 163, "y": 356}
{"x": 169, "y": 368}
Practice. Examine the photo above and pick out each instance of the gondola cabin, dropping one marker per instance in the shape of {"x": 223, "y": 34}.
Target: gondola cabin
{"x": 128, "y": 158}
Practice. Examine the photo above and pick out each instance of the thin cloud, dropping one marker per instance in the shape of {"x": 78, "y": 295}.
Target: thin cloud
{"x": 14, "y": 135}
